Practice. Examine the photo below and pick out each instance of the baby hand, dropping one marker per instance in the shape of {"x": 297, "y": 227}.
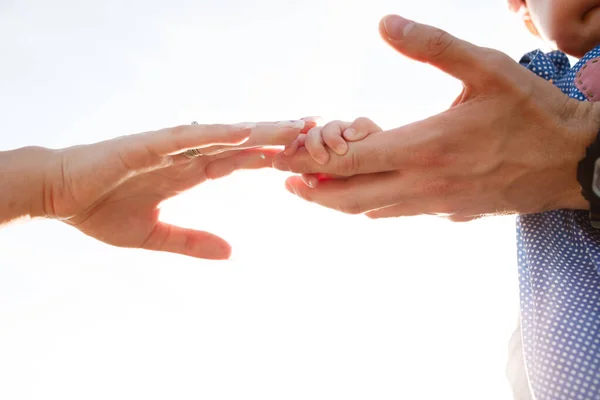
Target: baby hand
{"x": 334, "y": 135}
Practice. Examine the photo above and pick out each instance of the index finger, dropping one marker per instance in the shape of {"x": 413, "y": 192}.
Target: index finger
{"x": 266, "y": 134}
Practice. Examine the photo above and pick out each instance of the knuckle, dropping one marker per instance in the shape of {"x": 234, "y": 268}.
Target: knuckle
{"x": 439, "y": 43}
{"x": 333, "y": 124}
{"x": 332, "y": 128}
{"x": 313, "y": 133}
{"x": 362, "y": 121}
{"x": 441, "y": 187}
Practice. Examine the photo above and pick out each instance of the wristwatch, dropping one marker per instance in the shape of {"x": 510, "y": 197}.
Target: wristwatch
{"x": 588, "y": 175}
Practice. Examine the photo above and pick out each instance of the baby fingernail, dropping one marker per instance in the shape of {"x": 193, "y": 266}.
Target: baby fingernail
{"x": 341, "y": 148}
{"x": 295, "y": 124}
{"x": 322, "y": 158}
{"x": 350, "y": 133}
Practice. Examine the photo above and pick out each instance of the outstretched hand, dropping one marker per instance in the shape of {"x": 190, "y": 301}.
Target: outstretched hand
{"x": 111, "y": 190}
{"x": 510, "y": 143}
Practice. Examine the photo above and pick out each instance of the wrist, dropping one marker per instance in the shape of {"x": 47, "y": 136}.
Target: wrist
{"x": 23, "y": 182}
{"x": 586, "y": 122}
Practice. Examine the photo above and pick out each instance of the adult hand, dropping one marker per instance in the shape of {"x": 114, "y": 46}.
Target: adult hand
{"x": 510, "y": 143}
{"x": 111, "y": 190}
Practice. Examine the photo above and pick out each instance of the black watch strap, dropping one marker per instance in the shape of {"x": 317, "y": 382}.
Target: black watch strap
{"x": 588, "y": 175}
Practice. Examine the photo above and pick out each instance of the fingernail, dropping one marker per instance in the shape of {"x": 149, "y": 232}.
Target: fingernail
{"x": 350, "y": 133}
{"x": 322, "y": 158}
{"x": 294, "y": 124}
{"x": 310, "y": 181}
{"x": 245, "y": 125}
{"x": 290, "y": 188}
{"x": 397, "y": 27}
{"x": 341, "y": 148}
{"x": 280, "y": 165}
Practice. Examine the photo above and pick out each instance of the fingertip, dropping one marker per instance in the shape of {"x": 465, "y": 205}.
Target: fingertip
{"x": 293, "y": 183}
{"x": 214, "y": 248}
{"x": 352, "y": 135}
{"x": 310, "y": 180}
{"x": 349, "y": 134}
{"x": 289, "y": 150}
{"x": 317, "y": 151}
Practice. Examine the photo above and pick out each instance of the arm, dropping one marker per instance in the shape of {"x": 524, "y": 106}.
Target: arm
{"x": 112, "y": 190}
{"x": 23, "y": 182}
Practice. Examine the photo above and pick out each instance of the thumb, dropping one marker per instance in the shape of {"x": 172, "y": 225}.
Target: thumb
{"x": 188, "y": 242}
{"x": 430, "y": 45}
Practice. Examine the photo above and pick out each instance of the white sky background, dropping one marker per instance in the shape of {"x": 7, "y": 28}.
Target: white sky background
{"x": 315, "y": 304}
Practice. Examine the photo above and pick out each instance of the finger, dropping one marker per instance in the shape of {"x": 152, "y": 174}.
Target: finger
{"x": 175, "y": 140}
{"x": 151, "y": 150}
{"x": 360, "y": 129}
{"x": 404, "y": 209}
{"x": 313, "y": 180}
{"x": 246, "y": 159}
{"x": 355, "y": 195}
{"x": 188, "y": 242}
{"x": 296, "y": 144}
{"x": 363, "y": 193}
{"x": 315, "y": 146}
{"x": 431, "y": 45}
{"x": 332, "y": 136}
{"x": 310, "y": 180}
{"x": 264, "y": 134}
{"x": 418, "y": 145}
{"x": 309, "y": 123}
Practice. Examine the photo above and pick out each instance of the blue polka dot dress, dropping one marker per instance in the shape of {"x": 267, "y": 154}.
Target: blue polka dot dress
{"x": 559, "y": 277}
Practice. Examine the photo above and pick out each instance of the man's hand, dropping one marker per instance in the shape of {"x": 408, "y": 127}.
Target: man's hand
{"x": 510, "y": 143}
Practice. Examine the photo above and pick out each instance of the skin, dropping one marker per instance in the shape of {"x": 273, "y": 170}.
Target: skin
{"x": 572, "y": 26}
{"x": 112, "y": 190}
{"x": 510, "y": 143}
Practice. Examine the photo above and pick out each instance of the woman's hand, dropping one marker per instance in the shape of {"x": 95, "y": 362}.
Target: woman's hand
{"x": 510, "y": 143}
{"x": 111, "y": 190}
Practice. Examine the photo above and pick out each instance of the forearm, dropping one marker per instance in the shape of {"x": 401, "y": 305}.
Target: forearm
{"x": 22, "y": 182}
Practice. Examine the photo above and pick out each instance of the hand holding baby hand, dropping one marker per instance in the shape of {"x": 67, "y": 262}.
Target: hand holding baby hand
{"x": 332, "y": 136}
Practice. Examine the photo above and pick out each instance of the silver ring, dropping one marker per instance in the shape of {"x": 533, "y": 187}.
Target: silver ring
{"x": 192, "y": 153}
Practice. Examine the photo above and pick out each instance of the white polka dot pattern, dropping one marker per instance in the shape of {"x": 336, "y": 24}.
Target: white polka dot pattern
{"x": 559, "y": 276}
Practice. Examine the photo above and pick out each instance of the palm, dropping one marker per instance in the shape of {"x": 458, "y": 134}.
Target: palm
{"x": 128, "y": 215}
